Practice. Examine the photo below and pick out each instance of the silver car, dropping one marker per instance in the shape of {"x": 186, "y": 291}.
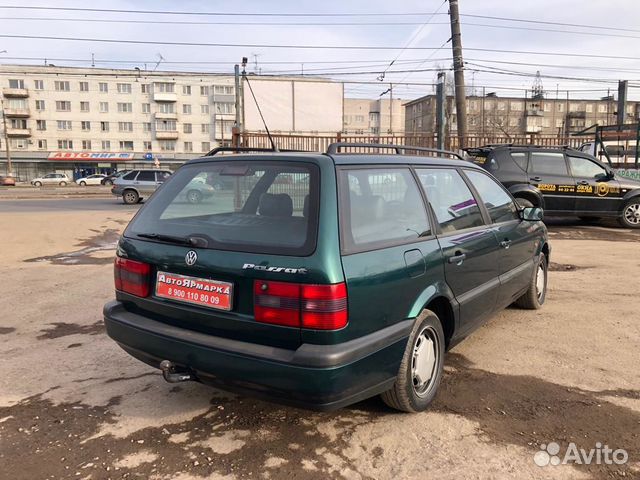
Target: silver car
{"x": 138, "y": 184}
{"x": 51, "y": 179}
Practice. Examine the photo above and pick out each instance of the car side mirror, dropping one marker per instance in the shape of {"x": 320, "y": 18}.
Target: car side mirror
{"x": 532, "y": 214}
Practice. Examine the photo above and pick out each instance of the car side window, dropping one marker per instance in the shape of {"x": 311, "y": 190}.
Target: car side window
{"x": 130, "y": 175}
{"x": 384, "y": 206}
{"x": 585, "y": 168}
{"x": 521, "y": 159}
{"x": 451, "y": 199}
{"x": 162, "y": 176}
{"x": 547, "y": 163}
{"x": 147, "y": 176}
{"x": 498, "y": 202}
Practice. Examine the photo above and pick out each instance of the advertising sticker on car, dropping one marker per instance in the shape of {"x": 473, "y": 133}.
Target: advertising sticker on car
{"x": 193, "y": 290}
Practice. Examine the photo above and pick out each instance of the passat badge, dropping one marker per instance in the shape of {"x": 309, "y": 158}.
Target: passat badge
{"x": 190, "y": 258}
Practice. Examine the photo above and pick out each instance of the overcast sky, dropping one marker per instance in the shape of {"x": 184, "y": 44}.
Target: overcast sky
{"x": 620, "y": 14}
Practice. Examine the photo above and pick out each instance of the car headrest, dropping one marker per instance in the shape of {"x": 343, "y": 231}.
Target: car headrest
{"x": 275, "y": 205}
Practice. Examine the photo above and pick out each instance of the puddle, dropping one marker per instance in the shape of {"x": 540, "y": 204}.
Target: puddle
{"x": 106, "y": 240}
{"x": 61, "y": 329}
{"x": 6, "y": 330}
{"x": 564, "y": 267}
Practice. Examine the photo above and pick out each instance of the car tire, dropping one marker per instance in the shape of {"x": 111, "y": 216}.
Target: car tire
{"x": 63, "y": 184}
{"x": 536, "y": 293}
{"x": 37, "y": 184}
{"x": 524, "y": 203}
{"x": 194, "y": 196}
{"x": 630, "y": 217}
{"x": 83, "y": 184}
{"x": 426, "y": 348}
{"x": 130, "y": 197}
{"x": 108, "y": 182}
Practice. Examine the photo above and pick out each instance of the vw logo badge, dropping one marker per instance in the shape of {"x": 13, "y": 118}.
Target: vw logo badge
{"x": 190, "y": 258}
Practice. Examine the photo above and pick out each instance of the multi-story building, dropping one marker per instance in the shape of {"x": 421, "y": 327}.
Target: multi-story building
{"x": 85, "y": 120}
{"x": 506, "y": 116}
{"x": 373, "y": 117}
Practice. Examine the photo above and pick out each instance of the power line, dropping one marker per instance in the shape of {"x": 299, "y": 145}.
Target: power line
{"x": 301, "y": 47}
{"x": 542, "y": 22}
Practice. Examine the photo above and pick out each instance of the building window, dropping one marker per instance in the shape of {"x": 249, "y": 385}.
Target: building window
{"x": 84, "y": 86}
{"x": 125, "y": 126}
{"x": 124, "y": 87}
{"x": 223, "y": 90}
{"x": 63, "y": 106}
{"x": 187, "y": 128}
{"x": 86, "y": 144}
{"x": 186, "y": 89}
{"x": 204, "y": 109}
{"x": 167, "y": 145}
{"x": 589, "y": 108}
{"x": 104, "y": 126}
{"x": 126, "y": 145}
{"x": 125, "y": 107}
{"x": 204, "y": 128}
{"x": 166, "y": 126}
{"x": 574, "y": 107}
{"x": 40, "y": 105}
{"x": 144, "y": 88}
{"x": 106, "y": 145}
{"x": 205, "y": 147}
{"x": 146, "y": 108}
{"x": 41, "y": 125}
{"x": 85, "y": 126}
{"x": 602, "y": 108}
{"x": 188, "y": 146}
{"x": 65, "y": 144}
{"x": 146, "y": 145}
{"x": 164, "y": 87}
{"x": 84, "y": 106}
{"x": 561, "y": 107}
{"x": 146, "y": 127}
{"x": 104, "y": 87}
{"x": 64, "y": 124}
{"x": 42, "y": 144}
{"x": 18, "y": 143}
{"x": 62, "y": 86}
{"x": 559, "y": 123}
{"x": 166, "y": 108}
{"x": 38, "y": 85}
{"x": 186, "y": 109}
{"x": 230, "y": 108}
{"x": 104, "y": 107}
{"x": 18, "y": 123}
{"x": 204, "y": 90}
{"x": 14, "y": 83}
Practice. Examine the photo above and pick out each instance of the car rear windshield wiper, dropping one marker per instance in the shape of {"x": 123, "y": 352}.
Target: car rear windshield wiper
{"x": 190, "y": 241}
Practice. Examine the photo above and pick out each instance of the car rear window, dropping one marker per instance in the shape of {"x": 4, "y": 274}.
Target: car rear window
{"x": 130, "y": 175}
{"x": 252, "y": 206}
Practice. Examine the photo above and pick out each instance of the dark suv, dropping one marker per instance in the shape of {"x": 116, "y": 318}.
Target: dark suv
{"x": 563, "y": 181}
{"x": 322, "y": 279}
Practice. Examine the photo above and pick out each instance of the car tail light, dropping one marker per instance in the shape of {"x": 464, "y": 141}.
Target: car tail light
{"x": 132, "y": 277}
{"x": 318, "y": 307}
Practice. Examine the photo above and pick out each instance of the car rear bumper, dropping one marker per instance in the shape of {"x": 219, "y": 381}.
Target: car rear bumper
{"x": 319, "y": 377}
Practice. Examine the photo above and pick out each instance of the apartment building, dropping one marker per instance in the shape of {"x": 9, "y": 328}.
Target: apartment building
{"x": 504, "y": 116}
{"x": 373, "y": 117}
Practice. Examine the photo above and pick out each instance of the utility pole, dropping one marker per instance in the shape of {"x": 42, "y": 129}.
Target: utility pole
{"x": 458, "y": 68}
{"x": 237, "y": 129}
{"x": 391, "y": 108}
{"x": 440, "y": 114}
{"x": 6, "y": 139}
{"x": 622, "y": 100}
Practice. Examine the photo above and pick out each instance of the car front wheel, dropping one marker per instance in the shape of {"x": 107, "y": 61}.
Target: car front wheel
{"x": 63, "y": 184}
{"x": 194, "y": 196}
{"x": 535, "y": 295}
{"x": 421, "y": 367}
{"x": 83, "y": 184}
{"x": 130, "y": 197}
{"x": 107, "y": 182}
{"x": 631, "y": 214}
{"x": 37, "y": 184}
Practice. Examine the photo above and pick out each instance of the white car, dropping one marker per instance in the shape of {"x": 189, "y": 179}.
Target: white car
{"x": 90, "y": 180}
{"x": 51, "y": 179}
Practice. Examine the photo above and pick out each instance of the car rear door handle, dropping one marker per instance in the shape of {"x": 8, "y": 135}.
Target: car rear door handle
{"x": 458, "y": 258}
{"x": 535, "y": 179}
{"x": 506, "y": 243}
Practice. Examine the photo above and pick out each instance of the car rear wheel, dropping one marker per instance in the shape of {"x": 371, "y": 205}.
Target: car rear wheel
{"x": 630, "y": 217}
{"x": 421, "y": 367}
{"x": 107, "y": 182}
{"x": 83, "y": 184}
{"x": 194, "y": 196}
{"x": 130, "y": 197}
{"x": 37, "y": 184}
{"x": 64, "y": 184}
{"x": 535, "y": 295}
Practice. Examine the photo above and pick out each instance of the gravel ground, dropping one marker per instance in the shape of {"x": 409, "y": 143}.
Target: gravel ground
{"x": 73, "y": 405}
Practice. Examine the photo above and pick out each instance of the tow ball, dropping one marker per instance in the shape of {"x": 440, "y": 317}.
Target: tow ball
{"x": 172, "y": 373}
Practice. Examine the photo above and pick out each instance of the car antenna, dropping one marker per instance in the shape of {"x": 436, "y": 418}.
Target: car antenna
{"x": 273, "y": 144}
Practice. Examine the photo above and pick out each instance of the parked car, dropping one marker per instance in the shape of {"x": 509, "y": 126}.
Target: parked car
{"x": 136, "y": 185}
{"x": 91, "y": 180}
{"x": 7, "y": 181}
{"x": 60, "y": 179}
{"x": 108, "y": 180}
{"x": 349, "y": 295}
{"x": 563, "y": 181}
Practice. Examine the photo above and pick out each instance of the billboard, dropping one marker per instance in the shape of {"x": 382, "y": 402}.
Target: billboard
{"x": 90, "y": 156}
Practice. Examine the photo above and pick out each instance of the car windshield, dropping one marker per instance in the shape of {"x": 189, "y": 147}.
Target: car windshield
{"x": 254, "y": 206}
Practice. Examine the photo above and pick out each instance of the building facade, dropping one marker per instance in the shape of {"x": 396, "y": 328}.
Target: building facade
{"x": 505, "y": 116}
{"x": 373, "y": 117}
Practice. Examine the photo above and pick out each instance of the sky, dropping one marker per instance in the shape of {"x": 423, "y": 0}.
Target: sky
{"x": 425, "y": 35}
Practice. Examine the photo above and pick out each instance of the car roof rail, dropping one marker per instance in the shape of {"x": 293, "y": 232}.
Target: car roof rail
{"x": 336, "y": 146}
{"x": 247, "y": 149}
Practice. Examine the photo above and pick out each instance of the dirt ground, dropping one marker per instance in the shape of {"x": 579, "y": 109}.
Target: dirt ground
{"x": 73, "y": 405}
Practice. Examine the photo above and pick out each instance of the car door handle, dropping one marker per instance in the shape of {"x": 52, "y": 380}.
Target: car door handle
{"x": 583, "y": 182}
{"x": 458, "y": 258}
{"x": 506, "y": 243}
{"x": 536, "y": 179}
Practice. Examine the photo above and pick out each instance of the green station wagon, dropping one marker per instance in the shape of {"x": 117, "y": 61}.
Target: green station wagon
{"x": 319, "y": 280}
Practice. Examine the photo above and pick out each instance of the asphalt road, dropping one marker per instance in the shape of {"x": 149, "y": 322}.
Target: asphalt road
{"x": 65, "y": 205}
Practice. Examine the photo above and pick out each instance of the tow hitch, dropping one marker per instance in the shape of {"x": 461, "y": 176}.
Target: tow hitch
{"x": 175, "y": 374}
